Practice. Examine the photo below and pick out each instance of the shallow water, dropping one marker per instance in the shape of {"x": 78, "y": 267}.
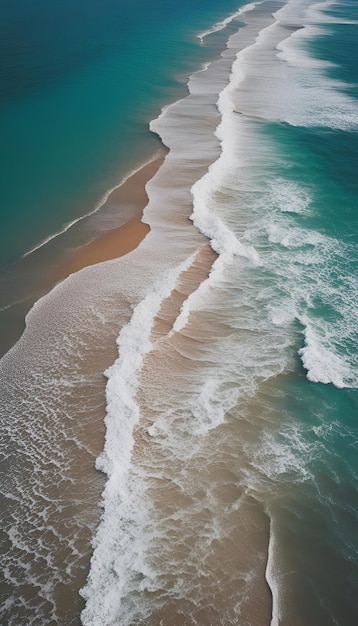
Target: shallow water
{"x": 230, "y": 426}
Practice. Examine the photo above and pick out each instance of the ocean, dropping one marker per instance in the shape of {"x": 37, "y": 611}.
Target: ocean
{"x": 210, "y": 475}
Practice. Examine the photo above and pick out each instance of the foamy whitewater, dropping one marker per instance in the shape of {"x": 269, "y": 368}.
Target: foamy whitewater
{"x": 248, "y": 214}
{"x": 230, "y": 438}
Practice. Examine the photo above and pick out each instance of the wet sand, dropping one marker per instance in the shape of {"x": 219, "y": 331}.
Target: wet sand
{"x": 65, "y": 419}
{"x": 119, "y": 241}
{"x": 112, "y": 245}
{"x": 78, "y": 433}
{"x": 36, "y": 274}
{"x": 89, "y": 427}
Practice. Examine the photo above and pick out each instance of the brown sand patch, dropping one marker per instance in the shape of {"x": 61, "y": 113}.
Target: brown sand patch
{"x": 116, "y": 243}
{"x": 119, "y": 241}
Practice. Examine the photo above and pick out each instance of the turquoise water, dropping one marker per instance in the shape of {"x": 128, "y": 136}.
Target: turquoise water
{"x": 79, "y": 83}
{"x": 279, "y": 318}
{"x": 311, "y": 462}
{"x": 231, "y": 445}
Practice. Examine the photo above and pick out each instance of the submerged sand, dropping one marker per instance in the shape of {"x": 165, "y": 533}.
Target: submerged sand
{"x": 119, "y": 241}
{"x": 80, "y": 412}
{"x": 34, "y": 275}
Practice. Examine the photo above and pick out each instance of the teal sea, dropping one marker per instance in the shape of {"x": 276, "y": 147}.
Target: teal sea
{"x": 80, "y": 82}
{"x": 210, "y": 477}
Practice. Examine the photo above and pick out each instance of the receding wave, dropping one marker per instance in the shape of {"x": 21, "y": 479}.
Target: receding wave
{"x": 202, "y": 445}
{"x": 259, "y": 287}
{"x": 130, "y": 576}
{"x": 289, "y": 92}
{"x": 224, "y": 23}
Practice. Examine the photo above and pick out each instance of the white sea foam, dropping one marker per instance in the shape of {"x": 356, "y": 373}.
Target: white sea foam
{"x": 307, "y": 273}
{"x": 303, "y": 262}
{"x": 222, "y": 238}
{"x": 324, "y": 364}
{"x": 121, "y": 567}
{"x": 272, "y": 577}
{"x": 245, "y": 313}
{"x": 314, "y": 98}
{"x": 117, "y": 562}
{"x": 205, "y": 217}
{"x": 317, "y": 13}
{"x": 299, "y": 90}
{"x": 212, "y": 404}
{"x": 285, "y": 456}
{"x": 322, "y": 99}
{"x": 221, "y": 25}
{"x": 291, "y": 197}
{"x": 221, "y": 373}
{"x": 296, "y": 237}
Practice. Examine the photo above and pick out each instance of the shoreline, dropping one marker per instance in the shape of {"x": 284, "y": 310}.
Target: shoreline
{"x": 79, "y": 377}
{"x": 118, "y": 241}
{"x": 131, "y": 197}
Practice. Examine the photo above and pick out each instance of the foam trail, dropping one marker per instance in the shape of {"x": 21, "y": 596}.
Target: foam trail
{"x": 317, "y": 14}
{"x": 96, "y": 208}
{"x": 128, "y": 577}
{"x": 323, "y": 365}
{"x": 134, "y": 342}
{"x": 120, "y": 494}
{"x": 122, "y": 571}
{"x": 310, "y": 98}
{"x": 8, "y": 306}
{"x": 313, "y": 99}
{"x": 271, "y": 571}
{"x": 224, "y": 23}
{"x": 223, "y": 240}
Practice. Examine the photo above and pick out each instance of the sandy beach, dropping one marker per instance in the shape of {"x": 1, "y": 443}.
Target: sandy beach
{"x": 178, "y": 314}
{"x": 119, "y": 241}
{"x": 36, "y": 274}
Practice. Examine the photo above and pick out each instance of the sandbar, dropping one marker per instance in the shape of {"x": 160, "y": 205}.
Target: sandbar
{"x": 121, "y": 240}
